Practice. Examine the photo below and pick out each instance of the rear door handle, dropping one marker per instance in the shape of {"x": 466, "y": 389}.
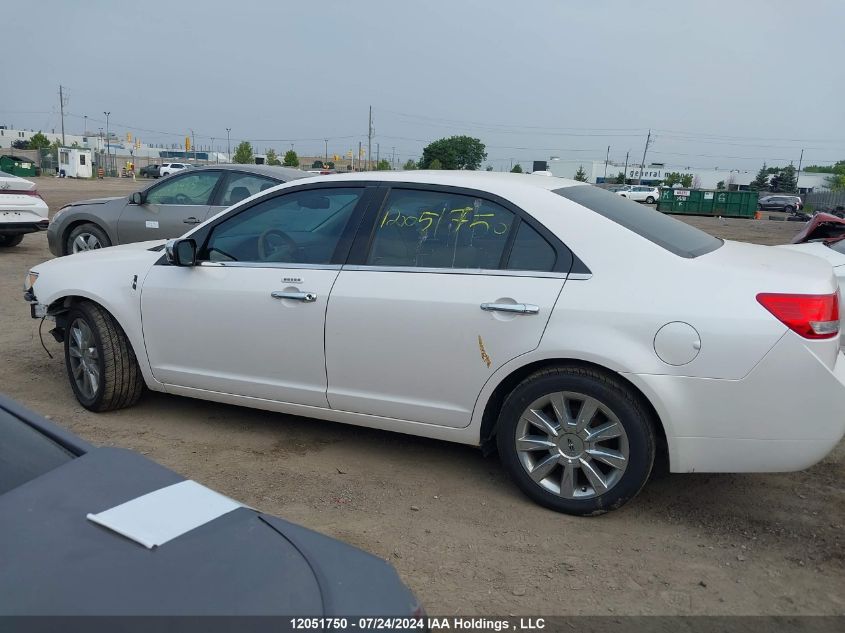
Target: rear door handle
{"x": 516, "y": 308}
{"x": 305, "y": 297}
{"x": 191, "y": 220}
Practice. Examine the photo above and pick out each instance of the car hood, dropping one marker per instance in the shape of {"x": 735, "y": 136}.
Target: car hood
{"x": 821, "y": 226}
{"x": 240, "y": 563}
{"x": 95, "y": 201}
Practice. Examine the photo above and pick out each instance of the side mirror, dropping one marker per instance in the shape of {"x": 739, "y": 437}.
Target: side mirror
{"x": 137, "y": 198}
{"x": 181, "y": 252}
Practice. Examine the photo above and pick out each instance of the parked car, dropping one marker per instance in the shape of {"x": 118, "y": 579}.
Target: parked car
{"x": 780, "y": 203}
{"x": 640, "y": 193}
{"x": 105, "y": 531}
{"x": 167, "y": 169}
{"x": 22, "y": 210}
{"x": 574, "y": 330}
{"x": 161, "y": 210}
{"x": 824, "y": 236}
{"x": 150, "y": 171}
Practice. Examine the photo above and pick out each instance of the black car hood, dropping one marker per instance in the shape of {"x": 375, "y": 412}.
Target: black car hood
{"x": 242, "y": 563}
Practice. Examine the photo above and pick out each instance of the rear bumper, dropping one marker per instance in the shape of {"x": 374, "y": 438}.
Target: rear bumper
{"x": 26, "y": 226}
{"x": 787, "y": 414}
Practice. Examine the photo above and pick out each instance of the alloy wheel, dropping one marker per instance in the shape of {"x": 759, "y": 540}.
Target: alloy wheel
{"x": 572, "y": 445}
{"x": 84, "y": 359}
{"x": 86, "y": 242}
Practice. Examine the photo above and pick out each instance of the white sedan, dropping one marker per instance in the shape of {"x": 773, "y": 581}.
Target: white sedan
{"x": 22, "y": 210}
{"x": 639, "y": 193}
{"x": 579, "y": 333}
{"x": 172, "y": 168}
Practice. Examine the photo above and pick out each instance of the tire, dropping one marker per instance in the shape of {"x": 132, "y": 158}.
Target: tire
{"x": 119, "y": 383}
{"x": 617, "y": 409}
{"x": 789, "y": 208}
{"x": 10, "y": 240}
{"x": 649, "y": 200}
{"x": 90, "y": 235}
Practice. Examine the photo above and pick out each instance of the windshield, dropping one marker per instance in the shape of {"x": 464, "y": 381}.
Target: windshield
{"x": 25, "y": 453}
{"x": 675, "y": 236}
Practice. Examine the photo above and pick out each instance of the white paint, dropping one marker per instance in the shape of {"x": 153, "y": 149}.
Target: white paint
{"x": 151, "y": 224}
{"x": 160, "y": 516}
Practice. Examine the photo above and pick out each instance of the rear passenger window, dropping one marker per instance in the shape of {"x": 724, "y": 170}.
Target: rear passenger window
{"x": 430, "y": 229}
{"x": 531, "y": 251}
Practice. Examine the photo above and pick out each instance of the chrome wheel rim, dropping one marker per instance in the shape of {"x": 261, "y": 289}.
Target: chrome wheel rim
{"x": 572, "y": 445}
{"x": 85, "y": 242}
{"x": 84, "y": 359}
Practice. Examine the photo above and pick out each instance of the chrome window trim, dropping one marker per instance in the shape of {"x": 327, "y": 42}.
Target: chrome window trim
{"x": 271, "y": 265}
{"x": 457, "y": 271}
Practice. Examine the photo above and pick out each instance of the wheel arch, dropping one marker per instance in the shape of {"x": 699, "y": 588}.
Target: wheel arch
{"x": 494, "y": 403}
{"x": 79, "y": 221}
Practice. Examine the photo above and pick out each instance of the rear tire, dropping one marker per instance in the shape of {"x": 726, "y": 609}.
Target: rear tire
{"x": 101, "y": 364}
{"x": 10, "y": 240}
{"x": 597, "y": 452}
{"x": 649, "y": 200}
{"x": 789, "y": 208}
{"x": 86, "y": 237}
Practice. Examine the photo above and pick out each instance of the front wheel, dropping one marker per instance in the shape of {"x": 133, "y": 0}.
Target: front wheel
{"x": 101, "y": 364}
{"x": 86, "y": 237}
{"x": 576, "y": 440}
{"x": 10, "y": 240}
{"x": 789, "y": 209}
{"x": 650, "y": 200}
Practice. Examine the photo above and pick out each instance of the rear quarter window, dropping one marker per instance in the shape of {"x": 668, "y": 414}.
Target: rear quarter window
{"x": 673, "y": 235}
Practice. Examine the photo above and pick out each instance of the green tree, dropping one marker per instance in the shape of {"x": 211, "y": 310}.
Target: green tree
{"x": 620, "y": 178}
{"x": 317, "y": 164}
{"x": 836, "y": 168}
{"x": 383, "y": 165}
{"x": 720, "y": 184}
{"x": 330, "y": 165}
{"x": 272, "y": 157}
{"x": 836, "y": 182}
{"x": 489, "y": 168}
{"x": 455, "y": 152}
{"x": 243, "y": 154}
{"x": 435, "y": 164}
{"x": 761, "y": 180}
{"x": 581, "y": 175}
{"x": 291, "y": 159}
{"x": 39, "y": 141}
{"x": 686, "y": 180}
{"x": 409, "y": 165}
{"x": 672, "y": 178}
{"x": 516, "y": 169}
{"x": 785, "y": 181}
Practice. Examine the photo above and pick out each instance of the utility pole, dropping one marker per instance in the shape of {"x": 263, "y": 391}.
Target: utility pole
{"x": 393, "y": 159}
{"x": 62, "y": 110}
{"x": 642, "y": 164}
{"x": 327, "y": 151}
{"x": 798, "y": 175}
{"x": 625, "y": 179}
{"x": 359, "y": 155}
{"x": 370, "y": 139}
{"x": 378, "y": 154}
{"x": 108, "y": 144}
{"x": 194, "y": 145}
{"x": 216, "y": 157}
{"x": 228, "y": 145}
{"x": 85, "y": 126}
{"x": 606, "y": 158}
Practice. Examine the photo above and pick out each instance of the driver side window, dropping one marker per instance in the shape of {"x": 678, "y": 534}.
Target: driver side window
{"x": 192, "y": 189}
{"x": 303, "y": 227}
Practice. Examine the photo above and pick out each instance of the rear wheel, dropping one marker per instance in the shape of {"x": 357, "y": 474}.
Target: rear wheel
{"x": 789, "y": 208}
{"x": 86, "y": 237}
{"x": 650, "y": 200}
{"x": 576, "y": 440}
{"x": 101, "y": 364}
{"x": 10, "y": 240}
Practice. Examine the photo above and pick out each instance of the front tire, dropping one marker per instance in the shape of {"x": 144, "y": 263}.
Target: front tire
{"x": 649, "y": 200}
{"x": 100, "y": 362}
{"x": 576, "y": 440}
{"x": 10, "y": 240}
{"x": 789, "y": 209}
{"x": 86, "y": 237}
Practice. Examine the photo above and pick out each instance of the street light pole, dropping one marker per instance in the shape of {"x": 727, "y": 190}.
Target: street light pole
{"x": 108, "y": 148}
{"x": 327, "y": 149}
{"x": 228, "y": 145}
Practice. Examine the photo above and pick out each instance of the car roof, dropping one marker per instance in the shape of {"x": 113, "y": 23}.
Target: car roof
{"x": 493, "y": 182}
{"x": 282, "y": 173}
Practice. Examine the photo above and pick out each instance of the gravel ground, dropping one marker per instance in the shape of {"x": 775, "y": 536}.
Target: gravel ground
{"x": 463, "y": 538}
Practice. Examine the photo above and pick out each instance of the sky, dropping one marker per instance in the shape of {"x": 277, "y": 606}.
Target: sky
{"x": 721, "y": 83}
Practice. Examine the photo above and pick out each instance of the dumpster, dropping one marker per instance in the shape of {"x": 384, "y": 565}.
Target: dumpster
{"x": 18, "y": 166}
{"x": 732, "y": 204}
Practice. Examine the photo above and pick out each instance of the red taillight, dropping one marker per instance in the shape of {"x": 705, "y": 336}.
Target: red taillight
{"x": 811, "y": 316}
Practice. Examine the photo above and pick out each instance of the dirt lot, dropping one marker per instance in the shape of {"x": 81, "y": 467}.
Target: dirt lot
{"x": 463, "y": 537}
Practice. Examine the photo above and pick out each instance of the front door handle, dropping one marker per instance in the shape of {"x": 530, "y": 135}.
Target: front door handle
{"x": 191, "y": 220}
{"x": 305, "y": 297}
{"x": 516, "y": 308}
